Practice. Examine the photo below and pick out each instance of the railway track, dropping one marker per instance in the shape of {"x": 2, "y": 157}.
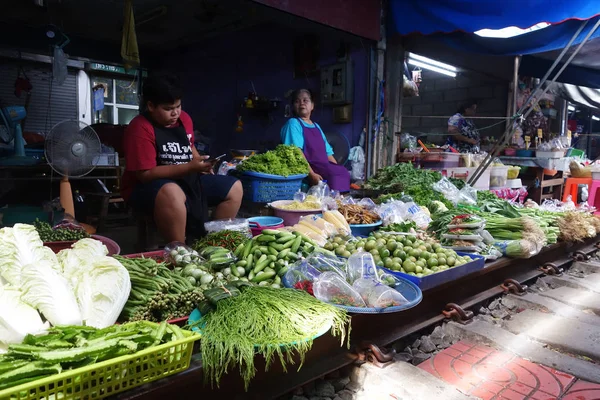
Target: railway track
{"x": 464, "y": 302}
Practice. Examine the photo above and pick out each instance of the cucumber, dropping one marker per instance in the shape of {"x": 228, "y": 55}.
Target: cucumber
{"x": 289, "y": 243}
{"x": 264, "y": 249}
{"x": 276, "y": 246}
{"x": 239, "y": 250}
{"x": 271, "y": 257}
{"x": 283, "y": 254}
{"x": 265, "y": 238}
{"x": 261, "y": 265}
{"x": 271, "y": 232}
{"x": 286, "y": 238}
{"x": 273, "y": 252}
{"x": 282, "y": 271}
{"x": 247, "y": 249}
{"x": 251, "y": 275}
{"x": 296, "y": 244}
{"x": 263, "y": 277}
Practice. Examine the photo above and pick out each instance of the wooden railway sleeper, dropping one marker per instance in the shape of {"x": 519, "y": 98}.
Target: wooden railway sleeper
{"x": 369, "y": 352}
{"x": 456, "y": 313}
{"x": 551, "y": 269}
{"x": 514, "y": 287}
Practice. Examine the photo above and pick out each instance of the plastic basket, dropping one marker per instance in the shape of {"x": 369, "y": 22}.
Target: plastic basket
{"x": 439, "y": 278}
{"x": 109, "y": 377}
{"x": 264, "y": 188}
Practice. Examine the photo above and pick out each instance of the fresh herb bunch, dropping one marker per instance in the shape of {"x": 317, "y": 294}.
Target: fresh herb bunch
{"x": 405, "y": 176}
{"x": 47, "y": 234}
{"x": 227, "y": 239}
{"x": 277, "y": 323}
{"x": 284, "y": 161}
{"x": 489, "y": 202}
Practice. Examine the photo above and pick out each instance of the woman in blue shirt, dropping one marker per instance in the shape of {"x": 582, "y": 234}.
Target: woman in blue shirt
{"x": 302, "y": 132}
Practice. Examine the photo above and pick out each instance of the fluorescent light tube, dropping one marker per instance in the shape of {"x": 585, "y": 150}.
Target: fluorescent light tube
{"x": 595, "y": 118}
{"x": 432, "y": 62}
{"x": 570, "y": 108}
{"x": 432, "y": 68}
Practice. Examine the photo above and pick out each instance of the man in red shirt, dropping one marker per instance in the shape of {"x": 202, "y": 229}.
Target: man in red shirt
{"x": 165, "y": 176}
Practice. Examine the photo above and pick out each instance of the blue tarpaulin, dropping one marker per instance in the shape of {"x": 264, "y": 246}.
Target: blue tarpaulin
{"x": 551, "y": 38}
{"x": 444, "y": 16}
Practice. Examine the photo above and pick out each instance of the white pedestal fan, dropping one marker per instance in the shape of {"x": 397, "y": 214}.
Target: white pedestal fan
{"x": 72, "y": 149}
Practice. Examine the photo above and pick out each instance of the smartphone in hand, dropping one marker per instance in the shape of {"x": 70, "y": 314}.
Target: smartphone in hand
{"x": 216, "y": 159}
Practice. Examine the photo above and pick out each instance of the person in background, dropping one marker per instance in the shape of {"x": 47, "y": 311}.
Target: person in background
{"x": 165, "y": 176}
{"x": 463, "y": 134}
{"x": 302, "y": 132}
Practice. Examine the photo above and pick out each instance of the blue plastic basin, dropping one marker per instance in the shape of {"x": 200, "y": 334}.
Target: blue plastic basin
{"x": 364, "y": 230}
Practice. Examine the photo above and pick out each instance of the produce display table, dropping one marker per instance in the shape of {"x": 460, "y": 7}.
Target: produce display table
{"x": 542, "y": 186}
{"x": 380, "y": 329}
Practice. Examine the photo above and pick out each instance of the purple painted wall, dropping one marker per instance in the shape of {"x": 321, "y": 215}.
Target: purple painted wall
{"x": 219, "y": 74}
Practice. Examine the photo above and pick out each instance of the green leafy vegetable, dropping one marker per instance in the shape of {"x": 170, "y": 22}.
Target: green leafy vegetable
{"x": 261, "y": 320}
{"x": 284, "y": 161}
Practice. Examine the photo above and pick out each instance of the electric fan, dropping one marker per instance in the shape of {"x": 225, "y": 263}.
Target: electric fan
{"x": 11, "y": 117}
{"x": 340, "y": 145}
{"x": 72, "y": 149}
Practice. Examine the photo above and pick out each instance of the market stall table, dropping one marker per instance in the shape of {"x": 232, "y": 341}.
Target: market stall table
{"x": 379, "y": 329}
{"x": 538, "y": 177}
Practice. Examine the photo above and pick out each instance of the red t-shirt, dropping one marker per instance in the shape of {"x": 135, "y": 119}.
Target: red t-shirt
{"x": 139, "y": 145}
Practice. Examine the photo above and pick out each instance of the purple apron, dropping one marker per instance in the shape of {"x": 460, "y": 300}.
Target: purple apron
{"x": 337, "y": 176}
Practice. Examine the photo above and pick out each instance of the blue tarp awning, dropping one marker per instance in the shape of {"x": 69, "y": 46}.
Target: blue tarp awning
{"x": 554, "y": 37}
{"x": 444, "y": 16}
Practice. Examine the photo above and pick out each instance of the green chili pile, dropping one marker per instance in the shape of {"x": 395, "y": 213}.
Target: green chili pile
{"x": 272, "y": 322}
{"x": 227, "y": 239}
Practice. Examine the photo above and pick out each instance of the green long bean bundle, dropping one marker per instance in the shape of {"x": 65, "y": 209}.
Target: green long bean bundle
{"x": 267, "y": 321}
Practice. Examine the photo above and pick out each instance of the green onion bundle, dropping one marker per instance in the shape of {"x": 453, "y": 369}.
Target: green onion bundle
{"x": 272, "y": 322}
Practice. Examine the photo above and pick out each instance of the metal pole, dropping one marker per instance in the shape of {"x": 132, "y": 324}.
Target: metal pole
{"x": 516, "y": 82}
{"x": 510, "y": 129}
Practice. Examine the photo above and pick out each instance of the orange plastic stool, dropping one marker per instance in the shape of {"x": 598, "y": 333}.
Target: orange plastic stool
{"x": 571, "y": 186}
{"x": 594, "y": 199}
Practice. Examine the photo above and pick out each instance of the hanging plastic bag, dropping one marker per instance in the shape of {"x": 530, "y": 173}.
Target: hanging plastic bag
{"x": 357, "y": 162}
{"x": 376, "y": 294}
{"x": 408, "y": 142}
{"x": 59, "y": 65}
{"x": 332, "y": 288}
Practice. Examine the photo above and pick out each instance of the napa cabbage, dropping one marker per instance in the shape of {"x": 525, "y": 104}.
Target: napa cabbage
{"x": 47, "y": 290}
{"x": 19, "y": 246}
{"x": 17, "y": 319}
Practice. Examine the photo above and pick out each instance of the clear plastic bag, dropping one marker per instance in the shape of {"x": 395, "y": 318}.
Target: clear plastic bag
{"x": 408, "y": 142}
{"x": 332, "y": 288}
{"x": 361, "y": 265}
{"x": 320, "y": 191}
{"x": 412, "y": 212}
{"x": 367, "y": 203}
{"x": 299, "y": 196}
{"x": 325, "y": 262}
{"x": 391, "y": 212}
{"x": 467, "y": 221}
{"x": 299, "y": 274}
{"x": 447, "y": 188}
{"x": 376, "y": 294}
{"x": 237, "y": 224}
{"x": 179, "y": 255}
{"x": 327, "y": 229}
{"x": 468, "y": 195}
